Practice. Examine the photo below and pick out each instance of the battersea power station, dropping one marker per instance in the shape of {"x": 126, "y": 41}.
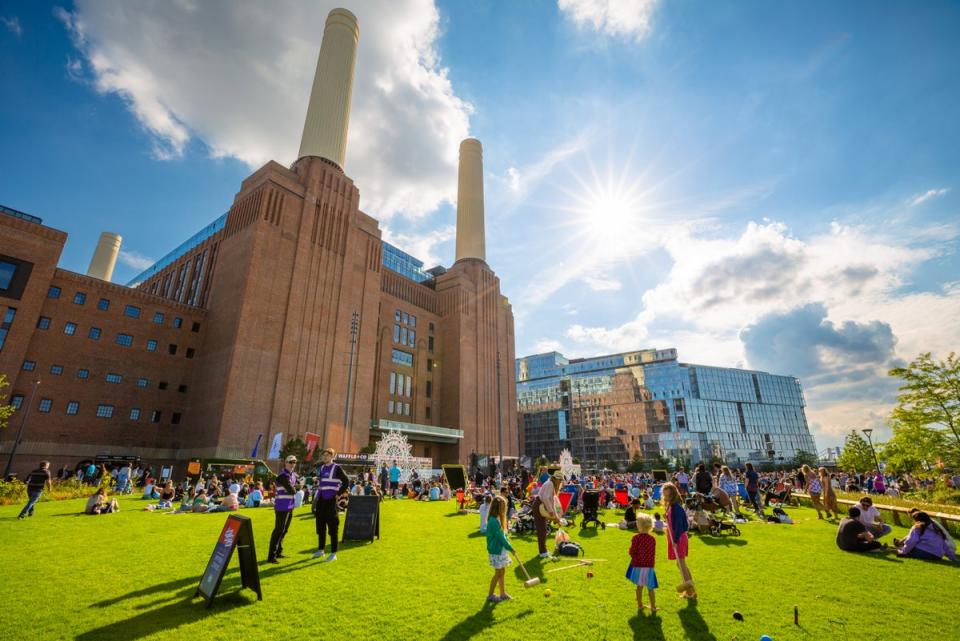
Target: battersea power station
{"x": 286, "y": 315}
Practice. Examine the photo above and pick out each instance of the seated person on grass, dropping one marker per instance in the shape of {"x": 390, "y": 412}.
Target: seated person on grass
{"x": 853, "y": 536}
{"x": 99, "y": 503}
{"x": 648, "y": 502}
{"x": 658, "y": 525}
{"x": 201, "y": 503}
{"x": 870, "y": 517}
{"x": 925, "y": 541}
{"x": 629, "y": 521}
{"x": 255, "y": 497}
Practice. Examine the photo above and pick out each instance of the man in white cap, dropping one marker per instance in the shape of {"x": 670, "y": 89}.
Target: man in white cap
{"x": 544, "y": 509}
{"x": 283, "y": 508}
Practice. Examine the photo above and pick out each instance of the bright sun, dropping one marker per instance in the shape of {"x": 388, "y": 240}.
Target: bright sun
{"x": 611, "y": 219}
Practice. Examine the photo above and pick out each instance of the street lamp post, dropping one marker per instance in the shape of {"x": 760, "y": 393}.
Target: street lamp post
{"x": 23, "y": 421}
{"x": 867, "y": 432}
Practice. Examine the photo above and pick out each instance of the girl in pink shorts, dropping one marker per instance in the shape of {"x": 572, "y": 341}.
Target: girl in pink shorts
{"x": 677, "y": 527}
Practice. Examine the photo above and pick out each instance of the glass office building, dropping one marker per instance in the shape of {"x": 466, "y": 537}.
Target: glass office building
{"x": 647, "y": 403}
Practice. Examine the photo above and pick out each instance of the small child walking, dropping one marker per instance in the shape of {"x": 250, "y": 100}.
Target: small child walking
{"x": 677, "y": 527}
{"x": 497, "y": 547}
{"x": 643, "y": 548}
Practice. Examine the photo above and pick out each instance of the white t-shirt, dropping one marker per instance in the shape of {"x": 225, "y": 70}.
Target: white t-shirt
{"x": 868, "y": 516}
{"x": 484, "y": 514}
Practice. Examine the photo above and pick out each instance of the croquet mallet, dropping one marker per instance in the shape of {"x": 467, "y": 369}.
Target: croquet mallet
{"x": 529, "y": 583}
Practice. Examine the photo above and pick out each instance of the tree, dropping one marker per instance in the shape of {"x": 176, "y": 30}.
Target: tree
{"x": 5, "y": 410}
{"x": 930, "y": 394}
{"x": 803, "y": 457}
{"x": 637, "y": 464}
{"x": 914, "y": 447}
{"x": 297, "y": 448}
{"x": 856, "y": 455}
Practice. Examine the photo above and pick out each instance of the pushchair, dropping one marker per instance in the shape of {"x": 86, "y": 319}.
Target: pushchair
{"x": 591, "y": 509}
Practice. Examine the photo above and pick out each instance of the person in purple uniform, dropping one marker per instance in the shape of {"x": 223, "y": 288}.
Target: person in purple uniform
{"x": 333, "y": 481}
{"x": 283, "y": 508}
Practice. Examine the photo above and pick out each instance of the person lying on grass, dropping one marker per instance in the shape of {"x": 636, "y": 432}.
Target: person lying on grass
{"x": 925, "y": 540}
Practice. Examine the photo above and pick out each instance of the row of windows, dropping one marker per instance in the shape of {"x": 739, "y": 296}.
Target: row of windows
{"x": 82, "y": 373}
{"x": 401, "y": 409}
{"x": 124, "y": 340}
{"x": 400, "y": 384}
{"x": 404, "y": 336}
{"x": 406, "y": 319}
{"x": 401, "y": 357}
{"x": 132, "y": 311}
{"x": 45, "y": 406}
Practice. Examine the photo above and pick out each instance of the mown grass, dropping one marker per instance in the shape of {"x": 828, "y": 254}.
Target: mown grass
{"x": 132, "y": 576}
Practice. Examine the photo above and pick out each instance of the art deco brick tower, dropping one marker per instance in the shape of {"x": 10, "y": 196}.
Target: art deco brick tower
{"x": 296, "y": 261}
{"x": 477, "y": 329}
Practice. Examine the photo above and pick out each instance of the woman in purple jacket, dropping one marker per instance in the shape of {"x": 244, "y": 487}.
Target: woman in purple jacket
{"x": 925, "y": 541}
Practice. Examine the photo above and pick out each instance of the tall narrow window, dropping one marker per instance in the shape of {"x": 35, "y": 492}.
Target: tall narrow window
{"x": 393, "y": 382}
{"x": 399, "y": 384}
{"x": 6, "y": 324}
{"x": 409, "y": 381}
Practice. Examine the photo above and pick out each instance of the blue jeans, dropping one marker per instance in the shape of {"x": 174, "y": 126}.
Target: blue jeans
{"x": 32, "y": 498}
{"x": 878, "y": 530}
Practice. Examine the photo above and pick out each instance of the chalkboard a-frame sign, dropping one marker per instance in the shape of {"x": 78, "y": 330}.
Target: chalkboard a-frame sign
{"x": 237, "y": 533}
{"x": 363, "y": 519}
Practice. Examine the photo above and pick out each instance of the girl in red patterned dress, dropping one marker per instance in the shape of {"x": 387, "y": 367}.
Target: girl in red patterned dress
{"x": 643, "y": 552}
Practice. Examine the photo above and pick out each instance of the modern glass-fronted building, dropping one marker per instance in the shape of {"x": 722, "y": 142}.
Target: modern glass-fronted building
{"x": 611, "y": 408}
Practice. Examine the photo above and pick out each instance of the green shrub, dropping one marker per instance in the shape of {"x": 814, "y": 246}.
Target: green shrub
{"x": 13, "y": 492}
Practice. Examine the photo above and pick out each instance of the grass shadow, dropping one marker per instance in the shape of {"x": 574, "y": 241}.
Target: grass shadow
{"x": 478, "y": 622}
{"x": 722, "y": 540}
{"x": 475, "y": 534}
{"x": 180, "y": 611}
{"x": 693, "y": 624}
{"x": 588, "y": 532}
{"x": 648, "y": 626}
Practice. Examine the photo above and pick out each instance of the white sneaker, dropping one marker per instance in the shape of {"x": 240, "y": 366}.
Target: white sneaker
{"x": 332, "y": 557}
{"x": 545, "y": 555}
{"x": 318, "y": 554}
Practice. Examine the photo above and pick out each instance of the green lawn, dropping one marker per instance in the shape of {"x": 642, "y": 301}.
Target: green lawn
{"x": 132, "y": 575}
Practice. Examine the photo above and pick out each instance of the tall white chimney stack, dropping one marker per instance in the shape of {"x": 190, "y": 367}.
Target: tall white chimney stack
{"x": 105, "y": 257}
{"x": 470, "y": 234}
{"x": 328, "y": 114}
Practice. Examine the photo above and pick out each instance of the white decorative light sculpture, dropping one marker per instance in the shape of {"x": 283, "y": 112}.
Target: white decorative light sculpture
{"x": 393, "y": 446}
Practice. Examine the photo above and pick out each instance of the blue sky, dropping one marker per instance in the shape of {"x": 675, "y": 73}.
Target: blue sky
{"x": 769, "y": 185}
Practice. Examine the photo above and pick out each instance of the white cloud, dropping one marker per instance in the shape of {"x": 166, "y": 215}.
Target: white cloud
{"x": 135, "y": 259}
{"x": 237, "y": 76}
{"x": 13, "y": 24}
{"x": 422, "y": 245}
{"x": 619, "y": 18}
{"x": 930, "y": 194}
{"x": 74, "y": 69}
{"x": 513, "y": 179}
{"x": 545, "y": 345}
{"x": 602, "y": 283}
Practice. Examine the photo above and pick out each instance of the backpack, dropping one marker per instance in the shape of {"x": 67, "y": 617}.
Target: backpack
{"x": 569, "y": 548}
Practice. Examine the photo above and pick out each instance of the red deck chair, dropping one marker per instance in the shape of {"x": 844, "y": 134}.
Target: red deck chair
{"x": 621, "y": 497}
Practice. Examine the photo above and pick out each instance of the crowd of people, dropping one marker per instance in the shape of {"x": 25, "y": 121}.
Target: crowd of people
{"x": 522, "y": 500}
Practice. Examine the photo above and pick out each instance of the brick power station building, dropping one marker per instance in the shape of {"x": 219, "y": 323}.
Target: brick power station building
{"x": 287, "y": 315}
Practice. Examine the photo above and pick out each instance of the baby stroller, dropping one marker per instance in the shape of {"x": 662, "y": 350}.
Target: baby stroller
{"x": 524, "y": 522}
{"x": 719, "y": 524}
{"x": 591, "y": 509}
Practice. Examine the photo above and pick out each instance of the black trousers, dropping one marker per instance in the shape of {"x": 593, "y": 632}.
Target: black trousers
{"x": 281, "y": 524}
{"x": 325, "y": 511}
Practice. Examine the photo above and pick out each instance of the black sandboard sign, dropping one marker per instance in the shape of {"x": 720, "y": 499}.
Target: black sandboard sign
{"x": 456, "y": 476}
{"x": 363, "y": 519}
{"x": 237, "y": 533}
{"x": 660, "y": 476}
